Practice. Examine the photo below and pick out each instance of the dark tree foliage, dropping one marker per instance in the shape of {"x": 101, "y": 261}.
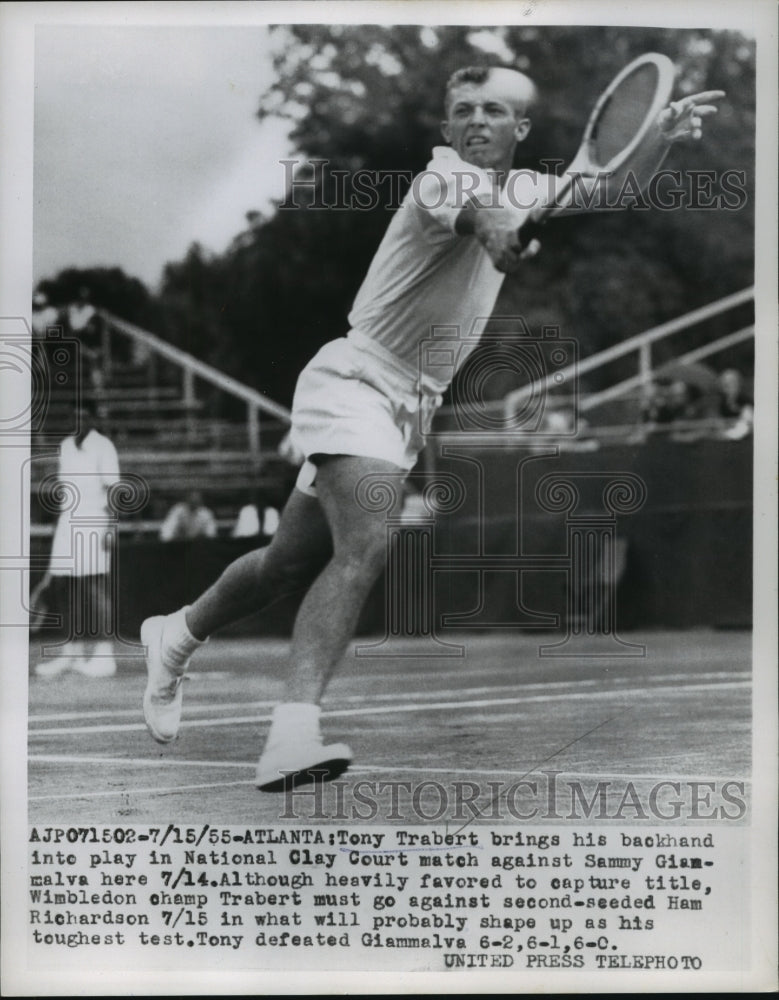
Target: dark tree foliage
{"x": 370, "y": 97}
{"x": 109, "y": 288}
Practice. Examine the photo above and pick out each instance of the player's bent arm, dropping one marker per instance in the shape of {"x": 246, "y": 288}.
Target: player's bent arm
{"x": 464, "y": 201}
{"x": 496, "y": 227}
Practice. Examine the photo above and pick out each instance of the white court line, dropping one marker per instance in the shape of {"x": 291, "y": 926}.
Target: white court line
{"x": 132, "y": 713}
{"x": 193, "y": 706}
{"x": 389, "y": 709}
{"x": 138, "y": 791}
{"x": 61, "y": 758}
{"x": 168, "y": 790}
{"x": 563, "y": 775}
{"x": 370, "y": 698}
{"x": 378, "y": 768}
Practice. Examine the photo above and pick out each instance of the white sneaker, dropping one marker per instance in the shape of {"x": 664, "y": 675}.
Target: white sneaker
{"x": 286, "y": 765}
{"x": 163, "y": 696}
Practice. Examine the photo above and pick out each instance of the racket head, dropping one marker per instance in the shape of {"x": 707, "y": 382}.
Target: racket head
{"x": 625, "y": 114}
{"x": 621, "y": 132}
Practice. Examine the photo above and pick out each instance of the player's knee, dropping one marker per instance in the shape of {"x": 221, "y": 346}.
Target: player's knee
{"x": 289, "y": 574}
{"x": 364, "y": 560}
{"x": 266, "y": 573}
{"x": 294, "y": 575}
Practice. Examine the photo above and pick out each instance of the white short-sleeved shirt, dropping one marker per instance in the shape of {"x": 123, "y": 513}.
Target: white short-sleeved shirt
{"x": 80, "y": 315}
{"x": 44, "y": 318}
{"x": 426, "y": 276}
{"x": 86, "y": 474}
{"x": 419, "y": 313}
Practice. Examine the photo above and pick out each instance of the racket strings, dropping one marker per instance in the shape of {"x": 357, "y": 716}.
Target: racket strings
{"x": 622, "y": 114}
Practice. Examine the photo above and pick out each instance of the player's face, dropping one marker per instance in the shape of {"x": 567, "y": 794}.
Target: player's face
{"x": 485, "y": 121}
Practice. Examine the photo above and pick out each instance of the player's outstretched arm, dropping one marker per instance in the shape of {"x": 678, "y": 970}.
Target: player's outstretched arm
{"x": 681, "y": 120}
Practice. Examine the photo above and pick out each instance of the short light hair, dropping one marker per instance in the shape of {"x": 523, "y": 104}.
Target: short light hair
{"x": 480, "y": 74}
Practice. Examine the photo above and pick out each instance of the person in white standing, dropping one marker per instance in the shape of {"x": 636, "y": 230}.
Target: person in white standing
{"x": 80, "y": 556}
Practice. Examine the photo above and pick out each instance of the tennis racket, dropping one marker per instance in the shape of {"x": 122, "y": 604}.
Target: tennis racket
{"x": 621, "y": 133}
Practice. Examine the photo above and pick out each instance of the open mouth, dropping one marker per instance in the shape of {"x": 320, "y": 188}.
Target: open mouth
{"x": 477, "y": 140}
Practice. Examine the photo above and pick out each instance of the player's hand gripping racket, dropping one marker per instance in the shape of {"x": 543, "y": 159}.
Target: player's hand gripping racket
{"x": 626, "y": 131}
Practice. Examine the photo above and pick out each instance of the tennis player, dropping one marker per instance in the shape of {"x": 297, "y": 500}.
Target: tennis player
{"x": 362, "y": 407}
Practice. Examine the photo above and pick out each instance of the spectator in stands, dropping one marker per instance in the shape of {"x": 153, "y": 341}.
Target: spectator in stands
{"x": 685, "y": 401}
{"x": 735, "y": 405}
{"x": 188, "y": 519}
{"x": 570, "y": 431}
{"x": 667, "y": 400}
{"x": 270, "y": 521}
{"x": 44, "y": 315}
{"x": 256, "y": 518}
{"x": 80, "y": 553}
{"x": 672, "y": 404}
{"x": 247, "y": 524}
{"x": 83, "y": 323}
{"x": 82, "y": 316}
{"x": 671, "y": 400}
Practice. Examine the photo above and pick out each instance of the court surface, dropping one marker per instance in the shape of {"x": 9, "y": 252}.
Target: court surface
{"x": 481, "y": 721}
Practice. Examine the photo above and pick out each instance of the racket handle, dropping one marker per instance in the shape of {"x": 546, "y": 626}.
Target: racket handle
{"x": 528, "y": 231}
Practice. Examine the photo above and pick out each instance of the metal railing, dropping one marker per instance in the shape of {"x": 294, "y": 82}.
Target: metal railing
{"x": 191, "y": 368}
{"x": 645, "y": 374}
{"x": 642, "y": 345}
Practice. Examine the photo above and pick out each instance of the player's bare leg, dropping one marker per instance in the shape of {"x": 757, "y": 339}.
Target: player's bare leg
{"x": 296, "y": 554}
{"x": 325, "y": 624}
{"x": 327, "y": 618}
{"x": 299, "y": 549}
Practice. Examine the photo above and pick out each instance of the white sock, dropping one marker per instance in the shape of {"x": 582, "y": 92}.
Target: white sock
{"x": 178, "y": 643}
{"x": 294, "y": 721}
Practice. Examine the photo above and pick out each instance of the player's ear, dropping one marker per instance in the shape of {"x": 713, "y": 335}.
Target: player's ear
{"x": 446, "y": 131}
{"x": 522, "y": 129}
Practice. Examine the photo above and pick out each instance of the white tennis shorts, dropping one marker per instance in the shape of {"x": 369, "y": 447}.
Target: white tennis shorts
{"x": 356, "y": 398}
